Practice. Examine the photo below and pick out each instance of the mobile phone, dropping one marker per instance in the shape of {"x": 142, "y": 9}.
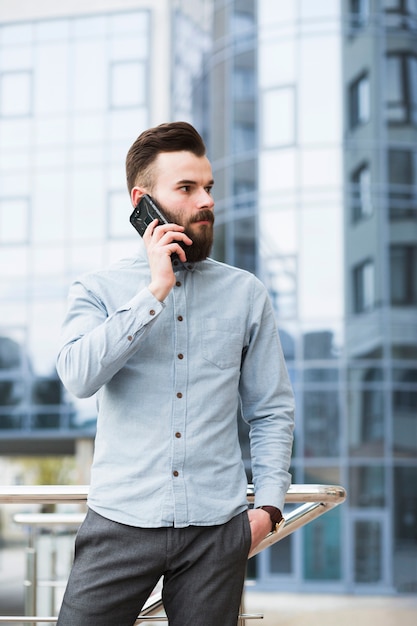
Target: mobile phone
{"x": 144, "y": 213}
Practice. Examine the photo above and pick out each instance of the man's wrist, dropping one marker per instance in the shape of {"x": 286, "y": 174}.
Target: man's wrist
{"x": 275, "y": 514}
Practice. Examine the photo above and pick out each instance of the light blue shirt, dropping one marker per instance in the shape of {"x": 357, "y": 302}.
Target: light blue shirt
{"x": 169, "y": 378}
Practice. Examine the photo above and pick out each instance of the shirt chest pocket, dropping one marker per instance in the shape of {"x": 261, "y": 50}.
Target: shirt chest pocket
{"x": 222, "y": 341}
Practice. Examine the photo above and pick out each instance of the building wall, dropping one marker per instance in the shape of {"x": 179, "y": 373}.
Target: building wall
{"x": 324, "y": 184}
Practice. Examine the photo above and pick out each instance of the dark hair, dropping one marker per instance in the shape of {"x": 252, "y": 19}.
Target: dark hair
{"x": 168, "y": 137}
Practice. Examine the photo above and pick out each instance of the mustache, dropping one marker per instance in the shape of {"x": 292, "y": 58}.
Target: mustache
{"x": 204, "y": 215}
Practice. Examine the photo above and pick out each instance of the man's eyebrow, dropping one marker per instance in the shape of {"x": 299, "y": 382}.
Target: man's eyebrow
{"x": 185, "y": 181}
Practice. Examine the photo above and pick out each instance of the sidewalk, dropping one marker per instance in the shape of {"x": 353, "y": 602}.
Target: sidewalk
{"x": 297, "y": 609}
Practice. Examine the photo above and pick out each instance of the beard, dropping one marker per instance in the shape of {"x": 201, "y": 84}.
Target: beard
{"x": 201, "y": 235}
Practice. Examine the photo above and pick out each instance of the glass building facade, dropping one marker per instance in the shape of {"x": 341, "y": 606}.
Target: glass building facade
{"x": 309, "y": 113}
{"x": 326, "y": 126}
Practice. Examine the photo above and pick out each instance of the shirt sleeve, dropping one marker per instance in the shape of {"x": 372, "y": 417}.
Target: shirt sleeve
{"x": 96, "y": 345}
{"x": 267, "y": 404}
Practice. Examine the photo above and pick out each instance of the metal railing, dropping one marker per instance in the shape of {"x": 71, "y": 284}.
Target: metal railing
{"x": 313, "y": 501}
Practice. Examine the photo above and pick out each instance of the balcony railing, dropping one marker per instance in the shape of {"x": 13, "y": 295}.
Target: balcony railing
{"x": 312, "y": 500}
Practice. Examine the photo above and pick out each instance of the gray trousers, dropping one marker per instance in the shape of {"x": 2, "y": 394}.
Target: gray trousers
{"x": 116, "y": 568}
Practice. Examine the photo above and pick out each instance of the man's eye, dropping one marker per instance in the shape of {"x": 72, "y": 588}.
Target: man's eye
{"x": 185, "y": 188}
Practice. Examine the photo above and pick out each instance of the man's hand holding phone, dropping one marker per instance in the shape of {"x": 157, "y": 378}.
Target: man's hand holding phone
{"x": 162, "y": 241}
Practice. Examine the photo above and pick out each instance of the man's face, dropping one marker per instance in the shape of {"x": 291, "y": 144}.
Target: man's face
{"x": 183, "y": 183}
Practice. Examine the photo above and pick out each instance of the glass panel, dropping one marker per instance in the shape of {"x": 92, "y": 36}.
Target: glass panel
{"x": 14, "y": 220}
{"x": 403, "y": 275}
{"x": 127, "y": 84}
{"x": 52, "y": 84}
{"x": 361, "y": 193}
{"x": 364, "y": 287}
{"x": 49, "y": 222}
{"x": 279, "y": 73}
{"x": 364, "y": 100}
{"x": 366, "y": 421}
{"x": 322, "y": 548}
{"x": 90, "y": 90}
{"x": 128, "y": 22}
{"x": 367, "y": 486}
{"x": 321, "y": 423}
{"x": 412, "y": 87}
{"x": 402, "y": 166}
{"x": 117, "y": 223}
{"x": 22, "y": 33}
{"x": 405, "y": 528}
{"x": 405, "y": 412}
{"x": 359, "y": 12}
{"x": 15, "y": 94}
{"x": 360, "y": 102}
{"x": 280, "y": 561}
{"x": 49, "y": 30}
{"x": 368, "y": 552}
{"x": 278, "y": 117}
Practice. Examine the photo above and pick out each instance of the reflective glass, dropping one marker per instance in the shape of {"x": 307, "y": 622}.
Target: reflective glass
{"x": 14, "y": 220}
{"x": 15, "y": 133}
{"x": 367, "y": 486}
{"x": 368, "y": 552}
{"x": 283, "y": 70}
{"x": 127, "y": 84}
{"x": 90, "y": 90}
{"x": 278, "y": 117}
{"x": 15, "y": 94}
{"x": 49, "y": 220}
{"x": 52, "y": 85}
{"x": 125, "y": 22}
{"x": 366, "y": 430}
{"x": 49, "y": 30}
{"x": 280, "y": 11}
{"x": 117, "y": 222}
{"x": 322, "y": 548}
{"x": 13, "y": 34}
{"x": 88, "y": 208}
{"x": 321, "y": 423}
{"x": 318, "y": 100}
{"x": 16, "y": 58}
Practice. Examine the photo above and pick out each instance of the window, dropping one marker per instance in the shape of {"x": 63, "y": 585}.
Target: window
{"x": 401, "y": 14}
{"x": 402, "y": 177}
{"x": 359, "y": 101}
{"x": 361, "y": 193}
{"x": 128, "y": 84}
{"x": 403, "y": 275}
{"x": 15, "y": 94}
{"x": 364, "y": 287}
{"x": 278, "y": 117}
{"x": 14, "y": 220}
{"x": 401, "y": 95}
{"x": 359, "y": 13}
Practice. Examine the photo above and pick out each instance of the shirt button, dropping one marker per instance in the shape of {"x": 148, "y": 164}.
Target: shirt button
{"x": 175, "y": 473}
{"x": 129, "y": 337}
{"x": 180, "y": 318}
{"x": 178, "y": 435}
{"x": 178, "y": 283}
{"x": 179, "y": 394}
{"x": 180, "y": 356}
{"x": 152, "y": 312}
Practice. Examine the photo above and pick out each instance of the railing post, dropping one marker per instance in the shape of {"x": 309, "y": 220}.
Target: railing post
{"x": 30, "y": 583}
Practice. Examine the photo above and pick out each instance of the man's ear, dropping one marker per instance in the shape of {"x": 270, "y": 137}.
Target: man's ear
{"x": 136, "y": 194}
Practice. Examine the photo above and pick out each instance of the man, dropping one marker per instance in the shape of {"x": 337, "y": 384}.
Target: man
{"x": 173, "y": 349}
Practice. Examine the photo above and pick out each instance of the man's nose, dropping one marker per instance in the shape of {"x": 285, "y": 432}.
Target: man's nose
{"x": 205, "y": 199}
